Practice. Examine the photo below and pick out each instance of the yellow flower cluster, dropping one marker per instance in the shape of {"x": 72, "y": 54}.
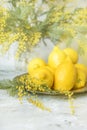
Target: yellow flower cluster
{"x": 80, "y": 17}
{"x": 70, "y": 99}
{"x": 2, "y": 24}
{"x": 34, "y": 38}
{"x": 33, "y": 85}
{"x": 3, "y": 17}
{"x": 27, "y": 83}
{"x": 55, "y": 16}
{"x": 38, "y": 104}
{"x": 23, "y": 2}
{"x": 3, "y": 37}
{"x": 20, "y": 92}
{"x": 27, "y": 42}
{"x": 70, "y": 23}
{"x": 21, "y": 88}
{"x": 25, "y": 86}
{"x": 7, "y": 39}
{"x": 21, "y": 44}
{"x": 24, "y": 42}
{"x": 60, "y": 16}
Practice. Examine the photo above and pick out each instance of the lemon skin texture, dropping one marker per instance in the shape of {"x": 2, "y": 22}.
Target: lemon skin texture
{"x": 56, "y": 57}
{"x": 72, "y": 54}
{"x": 81, "y": 79}
{"x": 35, "y": 64}
{"x": 44, "y": 76}
{"x": 65, "y": 77}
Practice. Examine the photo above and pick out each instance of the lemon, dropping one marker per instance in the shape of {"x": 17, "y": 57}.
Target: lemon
{"x": 72, "y": 54}
{"x": 65, "y": 76}
{"x": 34, "y": 64}
{"x": 82, "y": 67}
{"x": 81, "y": 79}
{"x": 56, "y": 57}
{"x": 44, "y": 76}
{"x": 50, "y": 69}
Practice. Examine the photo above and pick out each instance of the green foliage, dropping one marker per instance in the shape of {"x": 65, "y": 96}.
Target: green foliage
{"x": 28, "y": 22}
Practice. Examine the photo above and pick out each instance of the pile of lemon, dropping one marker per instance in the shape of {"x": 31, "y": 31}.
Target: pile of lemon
{"x": 62, "y": 72}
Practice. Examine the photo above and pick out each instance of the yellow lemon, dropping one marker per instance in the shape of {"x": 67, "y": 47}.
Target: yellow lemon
{"x": 72, "y": 54}
{"x": 50, "y": 69}
{"x": 44, "y": 76}
{"x": 56, "y": 57}
{"x": 82, "y": 67}
{"x": 81, "y": 79}
{"x": 65, "y": 76}
{"x": 34, "y": 64}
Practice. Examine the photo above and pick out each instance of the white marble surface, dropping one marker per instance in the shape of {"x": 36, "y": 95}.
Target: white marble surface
{"x": 25, "y": 116}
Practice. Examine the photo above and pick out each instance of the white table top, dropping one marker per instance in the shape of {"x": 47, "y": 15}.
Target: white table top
{"x": 25, "y": 116}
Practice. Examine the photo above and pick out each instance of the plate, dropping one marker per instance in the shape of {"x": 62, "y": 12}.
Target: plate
{"x": 53, "y": 92}
{"x": 11, "y": 84}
